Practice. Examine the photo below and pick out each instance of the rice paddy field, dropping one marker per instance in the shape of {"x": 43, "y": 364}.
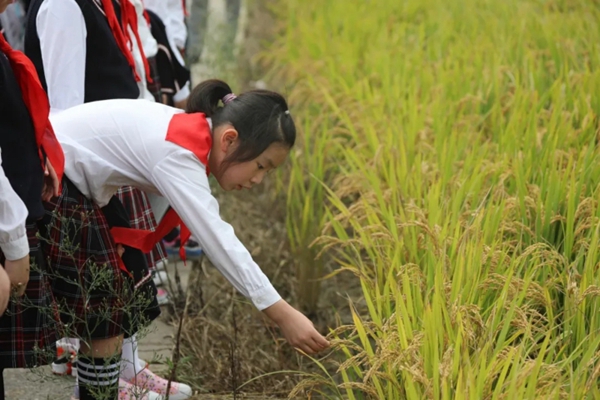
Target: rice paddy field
{"x": 449, "y": 160}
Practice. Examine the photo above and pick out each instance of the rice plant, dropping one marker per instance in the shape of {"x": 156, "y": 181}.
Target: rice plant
{"x": 450, "y": 161}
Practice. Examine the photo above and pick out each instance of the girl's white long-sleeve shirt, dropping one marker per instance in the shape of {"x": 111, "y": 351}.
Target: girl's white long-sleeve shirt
{"x": 13, "y": 235}
{"x": 114, "y": 143}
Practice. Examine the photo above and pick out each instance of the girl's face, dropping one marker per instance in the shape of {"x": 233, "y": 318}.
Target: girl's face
{"x": 4, "y": 4}
{"x": 238, "y": 176}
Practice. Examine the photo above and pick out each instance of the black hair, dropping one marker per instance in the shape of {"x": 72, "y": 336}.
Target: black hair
{"x": 261, "y": 117}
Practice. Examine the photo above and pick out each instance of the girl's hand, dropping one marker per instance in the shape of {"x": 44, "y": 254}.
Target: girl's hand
{"x": 298, "y": 330}
{"x": 51, "y": 183}
{"x": 18, "y": 273}
{"x": 4, "y": 290}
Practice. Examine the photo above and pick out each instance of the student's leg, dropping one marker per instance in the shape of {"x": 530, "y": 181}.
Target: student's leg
{"x": 131, "y": 364}
{"x": 134, "y": 369}
{"x": 125, "y": 209}
{"x": 98, "y": 368}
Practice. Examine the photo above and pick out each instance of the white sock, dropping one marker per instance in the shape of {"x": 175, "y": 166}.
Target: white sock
{"x": 73, "y": 342}
{"x": 131, "y": 365}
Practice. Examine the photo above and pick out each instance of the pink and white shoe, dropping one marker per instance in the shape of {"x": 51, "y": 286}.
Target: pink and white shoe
{"x": 162, "y": 296}
{"x": 127, "y": 391}
{"x": 148, "y": 380}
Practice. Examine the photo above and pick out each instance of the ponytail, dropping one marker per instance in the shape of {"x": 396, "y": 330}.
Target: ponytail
{"x": 206, "y": 96}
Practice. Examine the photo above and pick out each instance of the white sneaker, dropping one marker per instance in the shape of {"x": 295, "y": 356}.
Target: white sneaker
{"x": 160, "y": 278}
{"x": 66, "y": 353}
{"x": 62, "y": 369}
{"x": 161, "y": 265}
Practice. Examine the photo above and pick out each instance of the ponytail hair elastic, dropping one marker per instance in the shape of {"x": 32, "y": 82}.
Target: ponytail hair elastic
{"x": 229, "y": 97}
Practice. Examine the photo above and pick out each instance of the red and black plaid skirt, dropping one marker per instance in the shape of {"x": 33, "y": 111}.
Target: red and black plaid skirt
{"x": 95, "y": 299}
{"x": 141, "y": 217}
{"x": 28, "y": 327}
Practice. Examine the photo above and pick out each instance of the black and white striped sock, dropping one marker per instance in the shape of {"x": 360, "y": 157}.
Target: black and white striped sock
{"x": 98, "y": 377}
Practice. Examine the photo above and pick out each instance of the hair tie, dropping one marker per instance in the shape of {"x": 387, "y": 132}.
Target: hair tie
{"x": 229, "y": 97}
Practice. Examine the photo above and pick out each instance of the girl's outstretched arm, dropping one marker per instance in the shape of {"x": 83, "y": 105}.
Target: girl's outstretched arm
{"x": 182, "y": 180}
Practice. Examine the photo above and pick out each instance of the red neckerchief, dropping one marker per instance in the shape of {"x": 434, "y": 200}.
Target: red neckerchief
{"x": 36, "y": 101}
{"x": 121, "y": 33}
{"x": 185, "y": 11}
{"x": 147, "y": 17}
{"x": 192, "y": 132}
{"x": 129, "y": 18}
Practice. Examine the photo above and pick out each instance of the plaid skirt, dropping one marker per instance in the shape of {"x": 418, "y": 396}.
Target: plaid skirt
{"x": 141, "y": 217}
{"x": 95, "y": 298}
{"x": 28, "y": 327}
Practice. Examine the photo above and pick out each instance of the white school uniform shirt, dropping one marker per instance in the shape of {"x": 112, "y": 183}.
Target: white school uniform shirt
{"x": 62, "y": 32}
{"x": 13, "y": 213}
{"x": 114, "y": 143}
{"x": 172, "y": 15}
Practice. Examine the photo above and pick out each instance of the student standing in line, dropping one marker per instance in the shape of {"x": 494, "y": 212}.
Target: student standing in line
{"x": 31, "y": 165}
